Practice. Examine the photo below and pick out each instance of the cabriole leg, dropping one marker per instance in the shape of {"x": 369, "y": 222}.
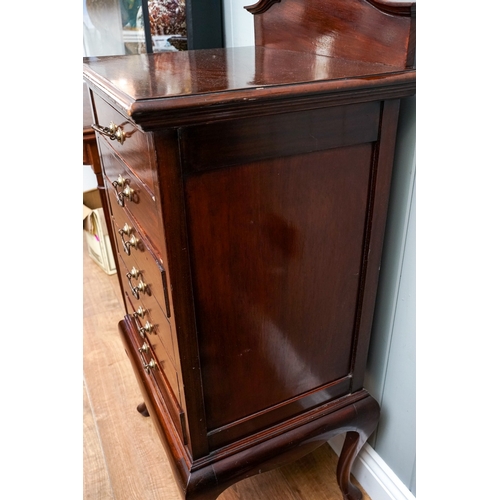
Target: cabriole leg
{"x": 354, "y": 441}
{"x": 143, "y": 410}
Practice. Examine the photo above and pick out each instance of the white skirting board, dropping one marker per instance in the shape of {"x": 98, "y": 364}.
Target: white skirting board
{"x": 374, "y": 474}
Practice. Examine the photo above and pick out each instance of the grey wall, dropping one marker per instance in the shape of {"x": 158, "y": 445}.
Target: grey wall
{"x": 238, "y": 23}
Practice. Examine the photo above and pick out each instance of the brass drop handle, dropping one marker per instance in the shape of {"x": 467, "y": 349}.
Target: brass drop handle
{"x": 134, "y": 273}
{"x": 147, "y": 366}
{"x": 114, "y": 132}
{"x": 140, "y": 287}
{"x": 141, "y": 312}
{"x": 128, "y": 192}
{"x": 150, "y": 366}
{"x": 119, "y": 194}
{"x": 120, "y": 181}
{"x": 132, "y": 242}
{"x": 147, "y": 328}
{"x": 126, "y": 229}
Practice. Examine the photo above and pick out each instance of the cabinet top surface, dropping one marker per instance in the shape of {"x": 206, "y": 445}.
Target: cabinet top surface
{"x": 174, "y": 74}
{"x": 142, "y": 85}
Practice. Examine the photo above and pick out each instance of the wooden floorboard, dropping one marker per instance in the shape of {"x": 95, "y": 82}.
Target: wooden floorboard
{"x": 96, "y": 483}
{"x": 123, "y": 457}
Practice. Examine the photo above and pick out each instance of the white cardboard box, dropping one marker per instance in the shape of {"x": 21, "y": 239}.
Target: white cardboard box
{"x": 96, "y": 232}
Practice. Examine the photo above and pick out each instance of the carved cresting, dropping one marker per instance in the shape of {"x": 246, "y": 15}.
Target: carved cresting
{"x": 399, "y": 8}
{"x": 261, "y": 6}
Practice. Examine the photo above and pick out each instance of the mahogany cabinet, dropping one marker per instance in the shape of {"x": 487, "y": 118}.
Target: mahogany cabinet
{"x": 247, "y": 189}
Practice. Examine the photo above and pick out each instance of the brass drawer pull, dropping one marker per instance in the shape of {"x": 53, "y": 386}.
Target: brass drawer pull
{"x": 114, "y": 132}
{"x": 126, "y": 229}
{"x": 147, "y": 328}
{"x": 120, "y": 181}
{"x": 141, "y": 312}
{"x": 150, "y": 366}
{"x": 134, "y": 273}
{"x": 132, "y": 242}
{"x": 152, "y": 363}
{"x": 119, "y": 194}
{"x": 127, "y": 192}
{"x": 140, "y": 287}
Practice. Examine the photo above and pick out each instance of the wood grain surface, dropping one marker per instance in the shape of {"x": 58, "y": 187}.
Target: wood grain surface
{"x": 123, "y": 457}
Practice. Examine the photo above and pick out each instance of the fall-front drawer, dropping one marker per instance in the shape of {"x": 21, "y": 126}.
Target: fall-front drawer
{"x": 132, "y": 145}
{"x": 136, "y": 254}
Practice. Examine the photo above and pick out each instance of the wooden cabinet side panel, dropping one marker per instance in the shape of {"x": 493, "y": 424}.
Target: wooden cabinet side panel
{"x": 276, "y": 249}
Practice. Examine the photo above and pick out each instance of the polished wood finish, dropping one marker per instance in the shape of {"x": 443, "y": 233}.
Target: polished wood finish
{"x": 257, "y": 181}
{"x": 370, "y": 31}
{"x": 175, "y": 89}
{"x": 262, "y": 307}
{"x": 279, "y": 135}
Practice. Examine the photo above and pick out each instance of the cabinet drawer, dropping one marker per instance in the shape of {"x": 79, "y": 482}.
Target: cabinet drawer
{"x": 126, "y": 190}
{"x": 150, "y": 361}
{"x": 153, "y": 314}
{"x": 142, "y": 258}
{"x": 154, "y": 322}
{"x": 136, "y": 150}
{"x": 156, "y": 333}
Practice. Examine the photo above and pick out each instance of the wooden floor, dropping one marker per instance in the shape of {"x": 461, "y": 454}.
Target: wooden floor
{"x": 123, "y": 458}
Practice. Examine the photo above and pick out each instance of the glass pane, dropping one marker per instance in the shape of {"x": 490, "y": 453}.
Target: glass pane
{"x": 116, "y": 27}
{"x": 167, "y": 19}
{"x": 113, "y": 27}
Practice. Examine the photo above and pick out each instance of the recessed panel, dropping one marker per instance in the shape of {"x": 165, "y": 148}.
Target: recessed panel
{"x": 276, "y": 250}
